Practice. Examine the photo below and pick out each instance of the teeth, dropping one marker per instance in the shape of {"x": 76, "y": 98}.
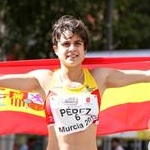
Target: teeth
{"x": 72, "y": 56}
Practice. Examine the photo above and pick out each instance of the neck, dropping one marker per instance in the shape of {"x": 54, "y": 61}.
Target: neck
{"x": 74, "y": 74}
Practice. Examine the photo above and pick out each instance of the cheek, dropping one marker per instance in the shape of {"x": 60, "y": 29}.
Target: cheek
{"x": 61, "y": 53}
{"x": 82, "y": 55}
{"x": 82, "y": 52}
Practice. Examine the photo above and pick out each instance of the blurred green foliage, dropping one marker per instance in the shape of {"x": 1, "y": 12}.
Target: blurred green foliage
{"x": 132, "y": 24}
{"x": 29, "y": 23}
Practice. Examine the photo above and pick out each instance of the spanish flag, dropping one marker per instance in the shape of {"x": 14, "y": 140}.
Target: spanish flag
{"x": 122, "y": 109}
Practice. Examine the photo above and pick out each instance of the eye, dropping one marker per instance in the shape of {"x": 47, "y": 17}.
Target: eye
{"x": 66, "y": 44}
{"x": 78, "y": 43}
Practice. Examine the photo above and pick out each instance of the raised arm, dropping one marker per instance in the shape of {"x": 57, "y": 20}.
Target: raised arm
{"x": 109, "y": 78}
{"x": 32, "y": 81}
{"x": 119, "y": 78}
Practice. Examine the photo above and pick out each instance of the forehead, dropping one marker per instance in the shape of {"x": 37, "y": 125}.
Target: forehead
{"x": 68, "y": 35}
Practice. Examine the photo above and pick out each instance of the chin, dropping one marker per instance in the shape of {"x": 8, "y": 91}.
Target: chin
{"x": 72, "y": 64}
{"x": 77, "y": 61}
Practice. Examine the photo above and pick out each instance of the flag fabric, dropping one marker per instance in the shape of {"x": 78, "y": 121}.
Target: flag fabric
{"x": 122, "y": 109}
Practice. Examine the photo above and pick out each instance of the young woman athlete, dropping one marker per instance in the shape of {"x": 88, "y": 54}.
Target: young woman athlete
{"x": 74, "y": 93}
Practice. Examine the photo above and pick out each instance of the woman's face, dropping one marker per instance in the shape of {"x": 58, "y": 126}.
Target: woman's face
{"x": 70, "y": 49}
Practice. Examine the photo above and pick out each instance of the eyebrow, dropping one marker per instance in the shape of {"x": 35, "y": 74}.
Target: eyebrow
{"x": 80, "y": 41}
{"x": 69, "y": 41}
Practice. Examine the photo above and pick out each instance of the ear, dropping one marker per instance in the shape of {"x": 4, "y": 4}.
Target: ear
{"x": 55, "y": 49}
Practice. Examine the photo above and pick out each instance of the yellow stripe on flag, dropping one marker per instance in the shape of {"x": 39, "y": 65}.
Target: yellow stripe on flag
{"x": 19, "y": 101}
{"x": 129, "y": 94}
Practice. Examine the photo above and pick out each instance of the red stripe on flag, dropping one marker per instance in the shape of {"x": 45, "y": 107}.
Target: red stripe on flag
{"x": 121, "y": 63}
{"x": 18, "y": 122}
{"x": 125, "y": 117}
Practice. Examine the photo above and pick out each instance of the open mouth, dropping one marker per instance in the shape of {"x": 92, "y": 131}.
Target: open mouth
{"x": 72, "y": 57}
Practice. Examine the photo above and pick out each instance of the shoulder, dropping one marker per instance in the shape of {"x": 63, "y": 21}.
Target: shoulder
{"x": 43, "y": 71}
{"x": 44, "y": 77}
{"x": 100, "y": 75}
{"x": 100, "y": 72}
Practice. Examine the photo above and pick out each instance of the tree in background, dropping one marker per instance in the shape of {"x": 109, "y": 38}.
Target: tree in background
{"x": 28, "y": 22}
{"x": 131, "y": 24}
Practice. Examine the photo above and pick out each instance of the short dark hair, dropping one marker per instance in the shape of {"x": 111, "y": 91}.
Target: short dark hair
{"x": 72, "y": 24}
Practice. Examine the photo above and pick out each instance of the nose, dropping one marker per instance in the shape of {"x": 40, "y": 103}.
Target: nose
{"x": 72, "y": 47}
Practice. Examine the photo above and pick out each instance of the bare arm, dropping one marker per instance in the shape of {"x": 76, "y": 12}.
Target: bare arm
{"x": 19, "y": 81}
{"x": 31, "y": 81}
{"x": 119, "y": 78}
{"x": 109, "y": 78}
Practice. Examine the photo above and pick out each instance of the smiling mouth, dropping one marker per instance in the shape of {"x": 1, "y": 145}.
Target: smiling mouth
{"x": 72, "y": 57}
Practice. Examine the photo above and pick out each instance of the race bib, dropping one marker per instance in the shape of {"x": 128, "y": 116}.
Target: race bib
{"x": 73, "y": 113}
